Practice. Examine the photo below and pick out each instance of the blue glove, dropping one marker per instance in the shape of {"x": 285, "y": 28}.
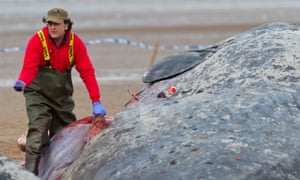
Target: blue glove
{"x": 98, "y": 108}
{"x": 19, "y": 85}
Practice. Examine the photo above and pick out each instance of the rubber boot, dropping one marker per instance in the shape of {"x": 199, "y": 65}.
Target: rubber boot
{"x": 32, "y": 163}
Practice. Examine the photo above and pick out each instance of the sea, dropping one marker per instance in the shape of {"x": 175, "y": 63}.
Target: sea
{"x": 26, "y": 15}
{"x": 123, "y": 13}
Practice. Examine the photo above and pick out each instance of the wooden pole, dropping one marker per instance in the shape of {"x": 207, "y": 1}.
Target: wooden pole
{"x": 152, "y": 60}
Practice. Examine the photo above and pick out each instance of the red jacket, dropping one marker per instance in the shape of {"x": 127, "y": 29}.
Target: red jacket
{"x": 59, "y": 59}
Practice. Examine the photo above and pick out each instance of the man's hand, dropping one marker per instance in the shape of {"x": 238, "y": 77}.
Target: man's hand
{"x": 98, "y": 109}
{"x": 19, "y": 85}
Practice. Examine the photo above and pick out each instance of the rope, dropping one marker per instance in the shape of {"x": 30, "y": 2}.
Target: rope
{"x": 122, "y": 42}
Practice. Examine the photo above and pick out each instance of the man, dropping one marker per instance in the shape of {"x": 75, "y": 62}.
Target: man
{"x": 45, "y": 79}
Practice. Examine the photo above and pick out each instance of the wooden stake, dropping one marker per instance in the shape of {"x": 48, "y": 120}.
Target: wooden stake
{"x": 152, "y": 60}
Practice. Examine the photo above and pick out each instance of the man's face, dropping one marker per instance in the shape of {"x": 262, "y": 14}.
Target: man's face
{"x": 57, "y": 30}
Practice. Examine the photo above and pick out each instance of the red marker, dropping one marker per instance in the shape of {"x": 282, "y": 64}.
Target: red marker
{"x": 238, "y": 158}
{"x": 172, "y": 89}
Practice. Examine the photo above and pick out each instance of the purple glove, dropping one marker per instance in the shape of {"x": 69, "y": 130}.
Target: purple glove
{"x": 98, "y": 108}
{"x": 19, "y": 85}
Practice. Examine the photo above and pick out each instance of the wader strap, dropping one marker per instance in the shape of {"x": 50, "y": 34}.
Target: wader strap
{"x": 45, "y": 48}
{"x": 46, "y": 52}
{"x": 71, "y": 50}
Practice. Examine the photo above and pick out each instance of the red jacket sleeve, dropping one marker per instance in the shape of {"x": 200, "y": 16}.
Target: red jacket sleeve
{"x": 85, "y": 68}
{"x": 32, "y": 58}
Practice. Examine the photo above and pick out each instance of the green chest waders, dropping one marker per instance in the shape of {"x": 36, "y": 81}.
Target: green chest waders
{"x": 49, "y": 105}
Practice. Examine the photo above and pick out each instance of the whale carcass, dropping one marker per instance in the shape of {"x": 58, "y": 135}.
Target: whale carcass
{"x": 235, "y": 115}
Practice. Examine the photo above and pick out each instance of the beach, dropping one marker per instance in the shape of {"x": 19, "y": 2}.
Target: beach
{"x": 120, "y": 67}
